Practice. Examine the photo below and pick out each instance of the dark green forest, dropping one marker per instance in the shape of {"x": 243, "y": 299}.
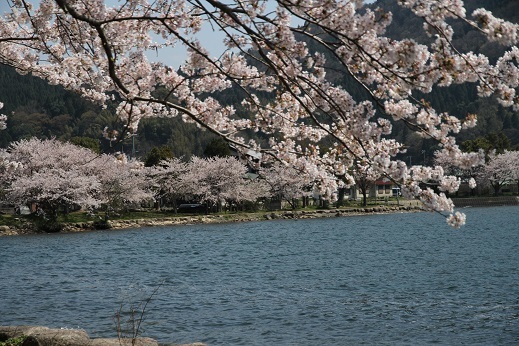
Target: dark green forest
{"x": 494, "y": 121}
{"x": 35, "y": 108}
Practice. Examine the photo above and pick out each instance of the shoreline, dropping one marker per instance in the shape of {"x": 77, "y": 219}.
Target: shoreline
{"x": 120, "y": 224}
{"x": 404, "y": 206}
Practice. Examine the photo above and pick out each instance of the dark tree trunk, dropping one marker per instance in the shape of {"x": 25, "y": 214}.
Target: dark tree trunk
{"x": 340, "y": 197}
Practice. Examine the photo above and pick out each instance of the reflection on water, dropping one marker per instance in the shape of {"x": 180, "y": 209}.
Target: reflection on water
{"x": 380, "y": 279}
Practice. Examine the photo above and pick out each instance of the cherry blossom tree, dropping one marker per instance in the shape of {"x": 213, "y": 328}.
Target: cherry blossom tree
{"x": 6, "y": 169}
{"x": 103, "y": 51}
{"x": 51, "y": 175}
{"x": 57, "y": 176}
{"x": 251, "y": 190}
{"x": 168, "y": 181}
{"x": 287, "y": 183}
{"x": 365, "y": 176}
{"x": 500, "y": 170}
{"x": 465, "y": 173}
{"x": 123, "y": 183}
{"x": 222, "y": 181}
{"x": 216, "y": 182}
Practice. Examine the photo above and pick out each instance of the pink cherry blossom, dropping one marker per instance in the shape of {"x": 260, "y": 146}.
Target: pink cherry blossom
{"x": 56, "y": 175}
{"x": 456, "y": 220}
{"x": 3, "y": 118}
{"x": 219, "y": 182}
{"x": 500, "y": 170}
{"x": 284, "y": 90}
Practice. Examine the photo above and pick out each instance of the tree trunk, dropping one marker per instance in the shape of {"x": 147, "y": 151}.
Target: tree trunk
{"x": 497, "y": 188}
{"x": 340, "y": 197}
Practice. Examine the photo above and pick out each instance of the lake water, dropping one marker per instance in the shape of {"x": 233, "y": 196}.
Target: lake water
{"x": 399, "y": 279}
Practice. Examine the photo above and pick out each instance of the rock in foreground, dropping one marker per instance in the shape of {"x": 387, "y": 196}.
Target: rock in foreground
{"x": 43, "y": 336}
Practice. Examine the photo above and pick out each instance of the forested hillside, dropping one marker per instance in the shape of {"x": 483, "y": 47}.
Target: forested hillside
{"x": 461, "y": 100}
{"x": 35, "y": 108}
{"x": 458, "y": 100}
{"x": 38, "y": 109}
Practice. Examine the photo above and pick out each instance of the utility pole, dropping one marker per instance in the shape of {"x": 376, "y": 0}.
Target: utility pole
{"x": 133, "y": 145}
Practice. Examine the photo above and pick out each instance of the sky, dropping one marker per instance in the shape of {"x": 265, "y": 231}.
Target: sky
{"x": 210, "y": 39}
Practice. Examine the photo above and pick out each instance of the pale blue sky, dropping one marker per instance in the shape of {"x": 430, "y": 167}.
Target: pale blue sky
{"x": 210, "y": 39}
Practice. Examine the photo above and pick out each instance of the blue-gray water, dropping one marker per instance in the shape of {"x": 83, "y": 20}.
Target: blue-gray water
{"x": 382, "y": 279}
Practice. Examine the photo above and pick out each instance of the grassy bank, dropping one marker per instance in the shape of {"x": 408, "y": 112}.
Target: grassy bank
{"x": 11, "y": 224}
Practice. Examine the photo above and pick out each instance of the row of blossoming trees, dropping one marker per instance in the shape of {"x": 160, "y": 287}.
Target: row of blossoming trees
{"x": 57, "y": 177}
{"x": 102, "y": 49}
{"x": 496, "y": 171}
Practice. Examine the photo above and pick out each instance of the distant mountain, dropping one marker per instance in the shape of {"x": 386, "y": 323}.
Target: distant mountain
{"x": 462, "y": 99}
{"x": 35, "y": 108}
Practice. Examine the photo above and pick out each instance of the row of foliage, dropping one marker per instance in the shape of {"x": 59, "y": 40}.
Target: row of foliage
{"x": 56, "y": 177}
{"x": 499, "y": 170}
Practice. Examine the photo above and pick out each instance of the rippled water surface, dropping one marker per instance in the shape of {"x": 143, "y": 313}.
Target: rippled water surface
{"x": 381, "y": 279}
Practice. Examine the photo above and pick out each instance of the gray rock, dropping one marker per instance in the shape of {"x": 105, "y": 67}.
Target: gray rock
{"x": 43, "y": 336}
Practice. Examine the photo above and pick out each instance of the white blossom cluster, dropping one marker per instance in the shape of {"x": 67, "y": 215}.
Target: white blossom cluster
{"x": 218, "y": 181}
{"x": 457, "y": 219}
{"x": 499, "y": 170}
{"x": 3, "y": 118}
